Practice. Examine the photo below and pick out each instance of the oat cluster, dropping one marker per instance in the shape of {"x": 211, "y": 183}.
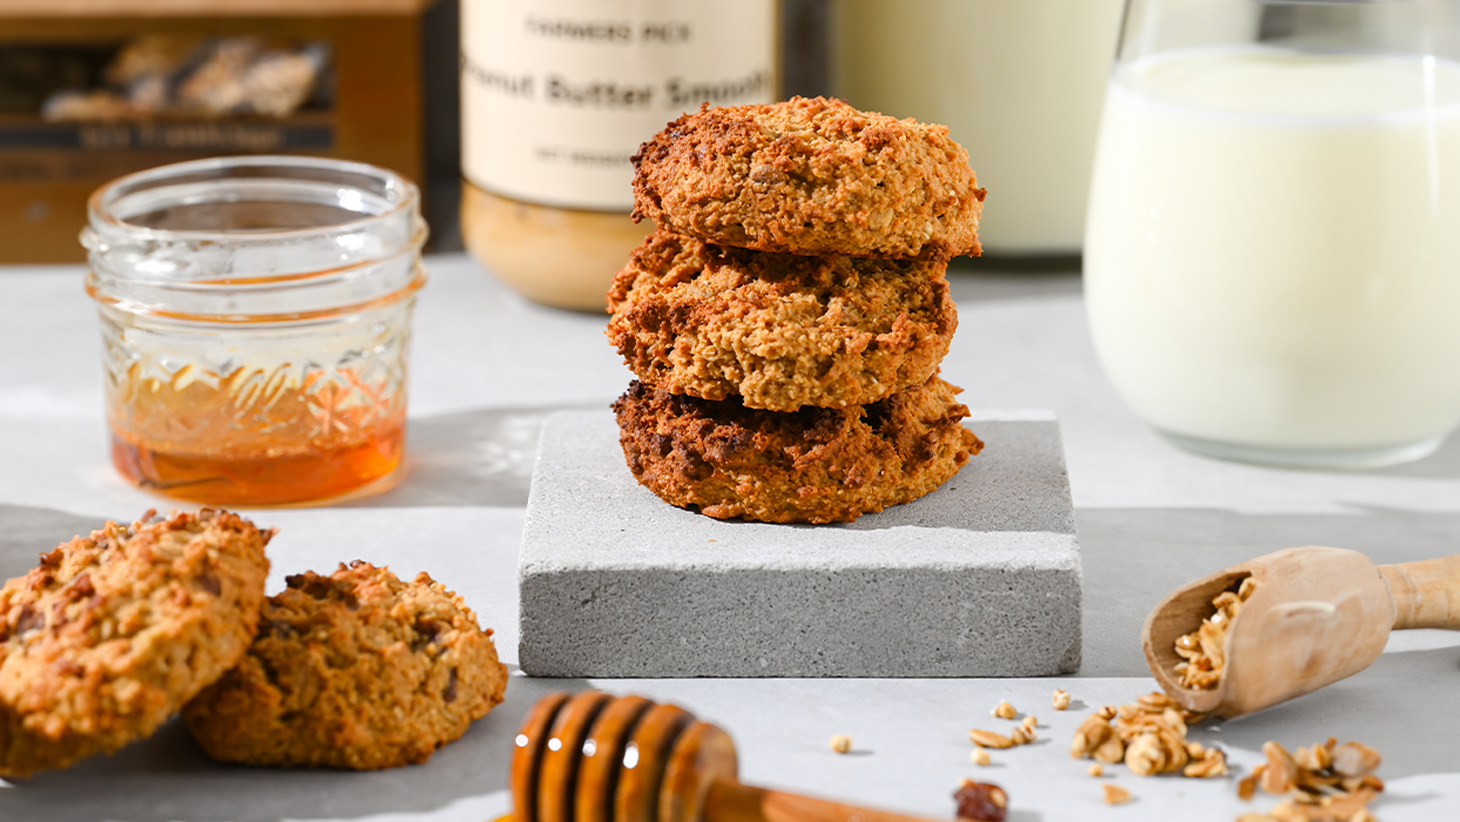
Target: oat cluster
{"x": 1149, "y": 737}
{"x": 1204, "y": 649}
{"x": 795, "y": 289}
{"x": 1327, "y": 782}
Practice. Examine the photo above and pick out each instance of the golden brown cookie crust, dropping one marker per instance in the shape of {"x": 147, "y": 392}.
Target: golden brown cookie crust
{"x": 812, "y": 465}
{"x": 811, "y": 176}
{"x": 112, "y": 633}
{"x": 779, "y": 330}
{"x": 353, "y": 670}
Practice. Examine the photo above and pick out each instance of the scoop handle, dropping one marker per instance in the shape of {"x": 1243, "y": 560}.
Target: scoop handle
{"x": 729, "y": 801}
{"x": 1426, "y": 593}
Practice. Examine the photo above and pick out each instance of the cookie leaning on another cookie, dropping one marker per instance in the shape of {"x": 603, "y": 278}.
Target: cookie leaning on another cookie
{"x": 353, "y": 670}
{"x": 112, "y": 633}
{"x": 810, "y": 176}
{"x": 813, "y": 465}
{"x": 779, "y": 330}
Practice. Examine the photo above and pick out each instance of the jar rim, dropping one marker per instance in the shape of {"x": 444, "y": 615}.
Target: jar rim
{"x": 99, "y": 203}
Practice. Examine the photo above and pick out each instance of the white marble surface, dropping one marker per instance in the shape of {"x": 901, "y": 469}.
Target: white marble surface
{"x": 487, "y": 367}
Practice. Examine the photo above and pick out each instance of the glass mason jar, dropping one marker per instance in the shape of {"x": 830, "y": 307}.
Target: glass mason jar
{"x": 255, "y": 315}
{"x": 1272, "y": 254}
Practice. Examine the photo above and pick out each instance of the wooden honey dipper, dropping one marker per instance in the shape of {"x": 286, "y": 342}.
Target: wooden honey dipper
{"x": 593, "y": 757}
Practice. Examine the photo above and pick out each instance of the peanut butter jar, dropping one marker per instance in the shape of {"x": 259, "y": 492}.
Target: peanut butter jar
{"x": 557, "y": 95}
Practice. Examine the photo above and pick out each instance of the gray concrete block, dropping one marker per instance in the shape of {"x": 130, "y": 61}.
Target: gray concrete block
{"x": 980, "y": 578}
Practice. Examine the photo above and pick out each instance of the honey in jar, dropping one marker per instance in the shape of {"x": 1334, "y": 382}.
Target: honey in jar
{"x": 255, "y": 318}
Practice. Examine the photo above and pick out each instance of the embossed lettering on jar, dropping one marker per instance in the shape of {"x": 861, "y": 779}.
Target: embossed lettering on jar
{"x": 255, "y": 318}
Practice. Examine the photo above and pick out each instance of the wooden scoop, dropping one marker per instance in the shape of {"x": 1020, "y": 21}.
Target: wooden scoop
{"x": 597, "y": 758}
{"x": 1316, "y": 616}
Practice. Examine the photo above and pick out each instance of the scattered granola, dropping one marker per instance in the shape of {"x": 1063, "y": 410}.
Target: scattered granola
{"x": 981, "y": 801}
{"x": 1203, "y": 649}
{"x": 1061, "y": 699}
{"x": 1324, "y": 783}
{"x": 979, "y": 757}
{"x": 841, "y": 744}
{"x": 1149, "y": 737}
{"x": 1003, "y": 710}
{"x": 1116, "y": 795}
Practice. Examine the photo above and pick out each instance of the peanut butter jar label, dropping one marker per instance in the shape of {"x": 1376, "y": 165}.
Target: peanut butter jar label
{"x": 557, "y": 95}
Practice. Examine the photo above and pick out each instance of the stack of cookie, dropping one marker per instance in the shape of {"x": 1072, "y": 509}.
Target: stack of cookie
{"x": 787, "y": 318}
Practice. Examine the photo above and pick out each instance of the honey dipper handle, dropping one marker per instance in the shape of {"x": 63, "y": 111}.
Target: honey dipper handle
{"x": 729, "y": 801}
{"x": 1426, "y": 593}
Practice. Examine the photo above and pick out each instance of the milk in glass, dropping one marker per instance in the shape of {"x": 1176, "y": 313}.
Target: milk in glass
{"x": 1272, "y": 256}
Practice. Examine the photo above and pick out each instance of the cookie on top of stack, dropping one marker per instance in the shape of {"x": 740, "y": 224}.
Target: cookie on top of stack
{"x": 787, "y": 318}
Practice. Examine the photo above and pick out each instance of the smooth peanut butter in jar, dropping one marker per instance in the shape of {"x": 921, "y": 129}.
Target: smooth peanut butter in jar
{"x": 557, "y": 95}
{"x": 255, "y": 318}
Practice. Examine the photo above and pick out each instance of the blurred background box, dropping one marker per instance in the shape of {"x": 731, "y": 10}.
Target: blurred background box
{"x": 93, "y": 89}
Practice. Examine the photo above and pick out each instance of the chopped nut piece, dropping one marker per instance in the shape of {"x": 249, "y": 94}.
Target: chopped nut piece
{"x": 1353, "y": 759}
{"x": 1317, "y": 790}
{"x": 1031, "y": 722}
{"x": 979, "y": 757}
{"x": 1096, "y": 770}
{"x": 1116, "y": 795}
{"x": 1108, "y": 712}
{"x": 1204, "y": 650}
{"x": 1022, "y": 735}
{"x": 1089, "y": 736}
{"x": 1111, "y": 751}
{"x": 841, "y": 744}
{"x": 981, "y": 801}
{"x": 1247, "y": 785}
{"x": 1281, "y": 774}
{"x": 1209, "y": 764}
{"x": 989, "y": 739}
{"x": 1061, "y": 699}
{"x": 1004, "y": 711}
{"x": 1146, "y": 756}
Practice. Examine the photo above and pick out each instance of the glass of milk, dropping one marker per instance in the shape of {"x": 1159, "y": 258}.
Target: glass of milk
{"x": 1272, "y": 250}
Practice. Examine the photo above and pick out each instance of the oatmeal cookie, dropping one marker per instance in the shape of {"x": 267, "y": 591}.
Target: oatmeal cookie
{"x": 811, "y": 465}
{"x": 353, "y": 670}
{"x": 779, "y": 330}
{"x": 112, "y": 633}
{"x": 810, "y": 176}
